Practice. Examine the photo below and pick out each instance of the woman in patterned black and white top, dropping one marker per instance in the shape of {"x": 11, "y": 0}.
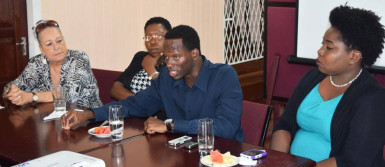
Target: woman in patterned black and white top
{"x": 144, "y": 66}
{"x": 56, "y": 66}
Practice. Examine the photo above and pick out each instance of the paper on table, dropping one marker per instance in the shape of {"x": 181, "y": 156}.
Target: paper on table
{"x": 1, "y": 107}
{"x": 64, "y": 158}
{"x": 246, "y": 161}
{"x": 54, "y": 115}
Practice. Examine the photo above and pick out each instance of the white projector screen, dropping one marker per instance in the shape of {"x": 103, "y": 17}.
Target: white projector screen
{"x": 313, "y": 21}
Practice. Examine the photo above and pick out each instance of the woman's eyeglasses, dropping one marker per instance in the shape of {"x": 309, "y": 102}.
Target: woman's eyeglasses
{"x": 157, "y": 37}
{"x": 42, "y": 24}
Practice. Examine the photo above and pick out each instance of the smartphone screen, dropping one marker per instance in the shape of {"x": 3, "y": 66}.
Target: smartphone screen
{"x": 253, "y": 152}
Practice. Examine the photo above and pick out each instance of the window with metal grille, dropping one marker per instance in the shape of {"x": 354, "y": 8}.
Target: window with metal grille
{"x": 243, "y": 30}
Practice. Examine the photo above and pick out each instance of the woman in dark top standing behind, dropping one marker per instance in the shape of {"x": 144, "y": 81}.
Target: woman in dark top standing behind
{"x": 144, "y": 66}
{"x": 337, "y": 111}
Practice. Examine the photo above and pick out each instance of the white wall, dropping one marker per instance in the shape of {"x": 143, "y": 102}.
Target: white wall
{"x": 111, "y": 32}
{"x": 33, "y": 15}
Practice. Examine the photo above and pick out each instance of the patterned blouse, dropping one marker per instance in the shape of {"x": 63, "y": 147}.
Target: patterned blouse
{"x": 135, "y": 77}
{"x": 140, "y": 81}
{"x": 76, "y": 77}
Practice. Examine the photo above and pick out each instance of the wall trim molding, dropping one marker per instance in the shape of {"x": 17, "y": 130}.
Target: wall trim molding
{"x": 33, "y": 15}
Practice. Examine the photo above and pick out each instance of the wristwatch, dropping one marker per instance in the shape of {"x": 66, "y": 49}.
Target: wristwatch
{"x": 152, "y": 75}
{"x": 34, "y": 97}
{"x": 168, "y": 123}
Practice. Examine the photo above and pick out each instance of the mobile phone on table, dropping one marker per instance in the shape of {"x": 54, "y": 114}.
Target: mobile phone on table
{"x": 190, "y": 145}
{"x": 254, "y": 154}
{"x": 179, "y": 141}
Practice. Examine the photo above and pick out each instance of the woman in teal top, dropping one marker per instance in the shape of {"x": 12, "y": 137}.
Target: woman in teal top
{"x": 337, "y": 111}
{"x": 314, "y": 117}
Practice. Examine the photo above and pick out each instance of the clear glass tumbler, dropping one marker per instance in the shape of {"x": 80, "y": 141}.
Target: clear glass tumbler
{"x": 205, "y": 136}
{"x": 116, "y": 122}
{"x": 59, "y": 99}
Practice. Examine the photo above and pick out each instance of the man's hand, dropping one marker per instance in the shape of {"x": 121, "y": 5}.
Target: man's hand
{"x": 153, "y": 125}
{"x": 73, "y": 118}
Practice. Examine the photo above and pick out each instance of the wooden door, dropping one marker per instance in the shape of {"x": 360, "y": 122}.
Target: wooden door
{"x": 13, "y": 40}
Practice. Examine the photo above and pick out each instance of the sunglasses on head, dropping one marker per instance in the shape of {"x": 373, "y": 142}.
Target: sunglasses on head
{"x": 42, "y": 24}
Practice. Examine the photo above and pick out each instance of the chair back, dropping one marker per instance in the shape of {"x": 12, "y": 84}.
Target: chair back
{"x": 255, "y": 121}
{"x": 105, "y": 79}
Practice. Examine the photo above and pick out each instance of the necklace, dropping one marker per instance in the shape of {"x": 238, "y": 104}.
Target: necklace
{"x": 346, "y": 84}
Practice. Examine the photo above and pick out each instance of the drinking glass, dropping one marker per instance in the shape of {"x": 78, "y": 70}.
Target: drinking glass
{"x": 116, "y": 122}
{"x": 59, "y": 99}
{"x": 205, "y": 136}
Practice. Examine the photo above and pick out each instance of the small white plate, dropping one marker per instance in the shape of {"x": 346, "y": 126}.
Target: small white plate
{"x": 204, "y": 160}
{"x": 92, "y": 132}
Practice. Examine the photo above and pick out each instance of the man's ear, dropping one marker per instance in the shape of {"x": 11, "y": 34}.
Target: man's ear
{"x": 355, "y": 57}
{"x": 195, "y": 53}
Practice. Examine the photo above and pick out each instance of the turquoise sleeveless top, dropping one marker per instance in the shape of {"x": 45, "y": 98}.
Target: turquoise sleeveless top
{"x": 314, "y": 117}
